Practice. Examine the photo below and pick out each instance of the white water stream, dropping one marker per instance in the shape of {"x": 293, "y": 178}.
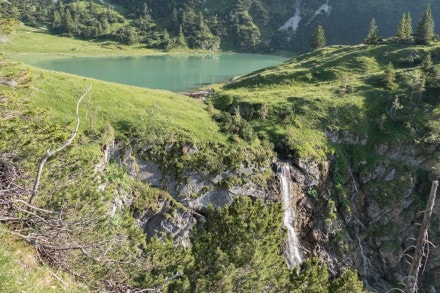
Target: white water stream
{"x": 293, "y": 254}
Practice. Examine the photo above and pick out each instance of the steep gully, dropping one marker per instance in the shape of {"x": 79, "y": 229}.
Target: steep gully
{"x": 293, "y": 22}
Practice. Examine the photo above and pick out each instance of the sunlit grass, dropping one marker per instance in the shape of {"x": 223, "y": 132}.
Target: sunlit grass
{"x": 21, "y": 271}
{"x": 112, "y": 103}
{"x": 37, "y": 41}
{"x": 334, "y": 90}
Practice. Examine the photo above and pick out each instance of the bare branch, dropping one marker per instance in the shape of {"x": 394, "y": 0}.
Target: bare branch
{"x": 413, "y": 276}
{"x": 32, "y": 207}
{"x": 394, "y": 289}
{"x": 50, "y": 153}
{"x": 10, "y": 219}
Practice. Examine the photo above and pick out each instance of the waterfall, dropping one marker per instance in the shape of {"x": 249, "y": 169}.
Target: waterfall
{"x": 357, "y": 224}
{"x": 350, "y": 172}
{"x": 293, "y": 254}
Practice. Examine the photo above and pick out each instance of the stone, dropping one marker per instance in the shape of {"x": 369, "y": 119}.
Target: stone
{"x": 175, "y": 222}
{"x": 215, "y": 198}
{"x": 149, "y": 172}
{"x": 391, "y": 175}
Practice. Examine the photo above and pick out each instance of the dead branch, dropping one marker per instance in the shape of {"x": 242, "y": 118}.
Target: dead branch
{"x": 31, "y": 206}
{"x": 394, "y": 289}
{"x": 413, "y": 276}
{"x": 50, "y": 272}
{"x": 13, "y": 219}
{"x": 50, "y": 153}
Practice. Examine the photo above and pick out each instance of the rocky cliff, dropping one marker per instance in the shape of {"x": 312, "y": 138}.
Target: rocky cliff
{"x": 361, "y": 176}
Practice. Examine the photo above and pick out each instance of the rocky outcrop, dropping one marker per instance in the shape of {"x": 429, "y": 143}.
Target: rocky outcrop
{"x": 368, "y": 225}
{"x": 416, "y": 155}
{"x": 194, "y": 192}
{"x": 169, "y": 221}
{"x": 370, "y": 222}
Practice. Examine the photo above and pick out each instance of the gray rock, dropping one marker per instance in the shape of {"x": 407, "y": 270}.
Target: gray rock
{"x": 177, "y": 223}
{"x": 311, "y": 171}
{"x": 345, "y": 137}
{"x": 248, "y": 189}
{"x": 195, "y": 184}
{"x": 149, "y": 172}
{"x": 216, "y": 198}
{"x": 391, "y": 175}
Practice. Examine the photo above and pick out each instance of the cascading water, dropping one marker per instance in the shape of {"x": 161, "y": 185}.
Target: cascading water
{"x": 293, "y": 254}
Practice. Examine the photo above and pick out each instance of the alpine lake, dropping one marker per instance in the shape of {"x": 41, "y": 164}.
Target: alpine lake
{"x": 174, "y": 72}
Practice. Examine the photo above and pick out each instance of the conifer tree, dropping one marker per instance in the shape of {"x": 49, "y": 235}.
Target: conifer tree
{"x": 7, "y": 28}
{"x": 77, "y": 6}
{"x": 91, "y": 6}
{"x": 181, "y": 41}
{"x": 431, "y": 75}
{"x": 145, "y": 9}
{"x": 427, "y": 65}
{"x": 166, "y": 41}
{"x": 373, "y": 33}
{"x": 174, "y": 26}
{"x": 389, "y": 77}
{"x": 425, "y": 27}
{"x": 68, "y": 23}
{"x": 404, "y": 30}
{"x": 318, "y": 39}
{"x": 56, "y": 23}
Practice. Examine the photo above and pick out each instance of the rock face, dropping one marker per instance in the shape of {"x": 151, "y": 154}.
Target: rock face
{"x": 168, "y": 221}
{"x": 368, "y": 222}
{"x": 194, "y": 193}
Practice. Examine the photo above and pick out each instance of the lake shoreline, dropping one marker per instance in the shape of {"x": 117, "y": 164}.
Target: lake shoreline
{"x": 31, "y": 41}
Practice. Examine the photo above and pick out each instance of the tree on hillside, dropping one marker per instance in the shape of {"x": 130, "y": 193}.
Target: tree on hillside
{"x": 181, "y": 41}
{"x": 6, "y": 29}
{"x": 404, "y": 30}
{"x": 166, "y": 41}
{"x": 247, "y": 34}
{"x": 427, "y": 65}
{"x": 238, "y": 249}
{"x": 68, "y": 24}
{"x": 432, "y": 76}
{"x": 318, "y": 39}
{"x": 389, "y": 77}
{"x": 126, "y": 35}
{"x": 373, "y": 33}
{"x": 425, "y": 27}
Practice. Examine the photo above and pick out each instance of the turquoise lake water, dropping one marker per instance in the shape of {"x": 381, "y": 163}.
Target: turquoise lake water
{"x": 169, "y": 72}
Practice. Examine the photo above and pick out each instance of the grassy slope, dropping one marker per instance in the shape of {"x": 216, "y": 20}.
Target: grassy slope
{"x": 46, "y": 101}
{"x": 304, "y": 99}
{"x": 20, "y": 270}
{"x": 30, "y": 40}
{"x": 109, "y": 103}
